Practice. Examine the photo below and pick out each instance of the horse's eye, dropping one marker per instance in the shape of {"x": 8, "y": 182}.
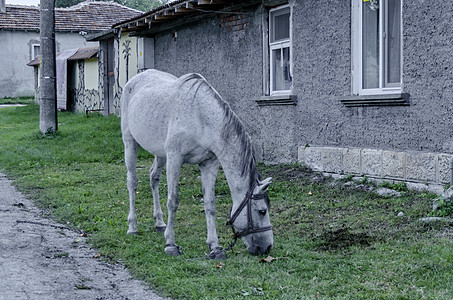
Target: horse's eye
{"x": 263, "y": 212}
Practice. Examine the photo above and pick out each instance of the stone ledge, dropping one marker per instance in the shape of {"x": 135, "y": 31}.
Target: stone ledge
{"x": 376, "y": 100}
{"x": 421, "y": 167}
{"x": 277, "y": 100}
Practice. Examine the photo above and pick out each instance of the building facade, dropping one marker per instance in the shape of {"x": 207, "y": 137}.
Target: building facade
{"x": 353, "y": 87}
{"x": 20, "y": 39}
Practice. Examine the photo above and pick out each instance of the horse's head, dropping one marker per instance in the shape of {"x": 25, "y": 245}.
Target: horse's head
{"x": 251, "y": 219}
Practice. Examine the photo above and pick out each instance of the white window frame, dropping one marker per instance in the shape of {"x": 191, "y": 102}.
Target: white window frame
{"x": 357, "y": 76}
{"x": 280, "y": 44}
{"x": 32, "y": 50}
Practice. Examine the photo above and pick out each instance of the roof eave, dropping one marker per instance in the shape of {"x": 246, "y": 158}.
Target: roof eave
{"x": 101, "y": 36}
{"x": 175, "y": 10}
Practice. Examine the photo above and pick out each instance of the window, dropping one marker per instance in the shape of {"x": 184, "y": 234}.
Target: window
{"x": 377, "y": 54}
{"x": 35, "y": 50}
{"x": 280, "y": 50}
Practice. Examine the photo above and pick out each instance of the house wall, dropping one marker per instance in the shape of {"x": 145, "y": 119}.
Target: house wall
{"x": 126, "y": 66}
{"x": 91, "y": 74}
{"x": 230, "y": 58}
{"x": 228, "y": 51}
{"x": 413, "y": 142}
{"x": 16, "y": 78}
{"x": 83, "y": 86}
{"x": 127, "y": 58}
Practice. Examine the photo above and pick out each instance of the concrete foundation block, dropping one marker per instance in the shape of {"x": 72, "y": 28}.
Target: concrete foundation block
{"x": 311, "y": 156}
{"x": 421, "y": 167}
{"x": 351, "y": 161}
{"x": 393, "y": 165}
{"x": 332, "y": 160}
{"x": 443, "y": 167}
{"x": 372, "y": 162}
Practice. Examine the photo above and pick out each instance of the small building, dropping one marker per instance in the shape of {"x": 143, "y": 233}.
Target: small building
{"x": 19, "y": 35}
{"x": 80, "y": 79}
{"x": 352, "y": 87}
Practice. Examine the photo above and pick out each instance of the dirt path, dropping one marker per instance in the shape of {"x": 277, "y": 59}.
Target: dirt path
{"x": 41, "y": 259}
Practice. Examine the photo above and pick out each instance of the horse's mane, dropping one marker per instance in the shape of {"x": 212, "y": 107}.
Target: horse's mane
{"x": 232, "y": 127}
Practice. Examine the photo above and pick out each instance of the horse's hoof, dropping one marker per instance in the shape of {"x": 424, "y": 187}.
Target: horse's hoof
{"x": 130, "y": 232}
{"x": 217, "y": 254}
{"x": 160, "y": 228}
{"x": 173, "y": 250}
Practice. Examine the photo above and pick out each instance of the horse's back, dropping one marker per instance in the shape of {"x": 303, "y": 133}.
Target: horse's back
{"x": 145, "y": 108}
{"x": 160, "y": 107}
{"x": 149, "y": 80}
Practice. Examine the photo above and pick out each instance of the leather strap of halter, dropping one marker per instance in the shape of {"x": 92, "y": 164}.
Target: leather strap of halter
{"x": 249, "y": 196}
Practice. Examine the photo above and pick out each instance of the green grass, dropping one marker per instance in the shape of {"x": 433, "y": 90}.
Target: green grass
{"x": 331, "y": 241}
{"x": 17, "y": 100}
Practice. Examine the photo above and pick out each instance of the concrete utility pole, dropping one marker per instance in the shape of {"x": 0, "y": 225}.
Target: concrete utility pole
{"x": 48, "y": 90}
{"x": 2, "y": 5}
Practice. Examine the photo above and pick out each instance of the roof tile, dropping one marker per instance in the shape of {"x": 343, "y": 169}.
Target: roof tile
{"x": 89, "y": 16}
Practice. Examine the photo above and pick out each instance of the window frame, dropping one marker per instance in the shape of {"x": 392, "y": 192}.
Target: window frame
{"x": 279, "y": 44}
{"x": 357, "y": 62}
{"x": 33, "y": 50}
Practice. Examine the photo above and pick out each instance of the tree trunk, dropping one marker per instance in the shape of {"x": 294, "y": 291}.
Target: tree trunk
{"x": 48, "y": 90}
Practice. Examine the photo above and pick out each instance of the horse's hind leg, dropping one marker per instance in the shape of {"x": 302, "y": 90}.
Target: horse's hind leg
{"x": 130, "y": 157}
{"x": 154, "y": 176}
{"x": 209, "y": 170}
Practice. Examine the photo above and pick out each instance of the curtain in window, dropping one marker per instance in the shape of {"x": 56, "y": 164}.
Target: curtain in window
{"x": 281, "y": 66}
{"x": 370, "y": 46}
{"x": 280, "y": 43}
{"x": 394, "y": 41}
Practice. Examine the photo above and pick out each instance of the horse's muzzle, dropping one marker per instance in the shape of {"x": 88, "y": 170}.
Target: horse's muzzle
{"x": 258, "y": 250}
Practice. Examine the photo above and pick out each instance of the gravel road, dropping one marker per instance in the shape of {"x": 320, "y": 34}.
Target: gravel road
{"x": 41, "y": 259}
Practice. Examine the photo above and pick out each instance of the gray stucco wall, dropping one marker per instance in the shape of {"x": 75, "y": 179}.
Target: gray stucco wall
{"x": 428, "y": 75}
{"x": 230, "y": 58}
{"x": 16, "y": 78}
{"x": 424, "y": 125}
{"x": 232, "y": 61}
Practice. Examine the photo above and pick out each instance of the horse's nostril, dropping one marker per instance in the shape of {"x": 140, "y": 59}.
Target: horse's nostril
{"x": 258, "y": 250}
{"x": 268, "y": 249}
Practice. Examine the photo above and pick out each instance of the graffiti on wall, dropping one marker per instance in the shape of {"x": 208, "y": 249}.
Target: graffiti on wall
{"x": 127, "y": 53}
{"x": 84, "y": 99}
{"x": 118, "y": 89}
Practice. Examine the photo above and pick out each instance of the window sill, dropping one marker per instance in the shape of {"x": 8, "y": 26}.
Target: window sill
{"x": 277, "y": 100}
{"x": 400, "y": 99}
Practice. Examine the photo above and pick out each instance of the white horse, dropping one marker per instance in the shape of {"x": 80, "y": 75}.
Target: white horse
{"x": 184, "y": 120}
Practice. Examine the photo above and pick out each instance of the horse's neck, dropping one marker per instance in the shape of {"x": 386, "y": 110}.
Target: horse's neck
{"x": 228, "y": 148}
{"x": 238, "y": 182}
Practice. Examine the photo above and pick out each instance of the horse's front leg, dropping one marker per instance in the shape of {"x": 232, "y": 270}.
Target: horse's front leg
{"x": 130, "y": 157}
{"x": 209, "y": 170}
{"x": 154, "y": 176}
{"x": 174, "y": 163}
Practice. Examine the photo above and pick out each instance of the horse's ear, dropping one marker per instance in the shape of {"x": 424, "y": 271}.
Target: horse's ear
{"x": 262, "y": 186}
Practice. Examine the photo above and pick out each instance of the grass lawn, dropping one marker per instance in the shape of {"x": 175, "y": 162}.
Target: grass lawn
{"x": 18, "y": 100}
{"x": 333, "y": 239}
